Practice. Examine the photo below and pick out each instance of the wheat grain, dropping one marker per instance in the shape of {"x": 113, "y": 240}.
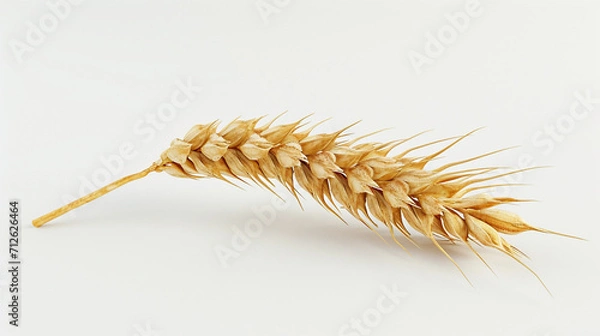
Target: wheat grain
{"x": 361, "y": 177}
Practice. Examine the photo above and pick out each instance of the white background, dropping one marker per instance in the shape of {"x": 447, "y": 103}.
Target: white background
{"x": 141, "y": 260}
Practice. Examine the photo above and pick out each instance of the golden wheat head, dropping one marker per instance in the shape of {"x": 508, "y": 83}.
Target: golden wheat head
{"x": 361, "y": 177}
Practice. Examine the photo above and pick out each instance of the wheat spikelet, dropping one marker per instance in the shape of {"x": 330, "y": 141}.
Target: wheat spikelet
{"x": 363, "y": 178}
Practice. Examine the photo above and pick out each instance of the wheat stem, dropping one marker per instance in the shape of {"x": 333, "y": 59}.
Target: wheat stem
{"x": 38, "y": 222}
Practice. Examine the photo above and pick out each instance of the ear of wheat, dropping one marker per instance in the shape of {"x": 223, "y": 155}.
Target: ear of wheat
{"x": 363, "y": 178}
